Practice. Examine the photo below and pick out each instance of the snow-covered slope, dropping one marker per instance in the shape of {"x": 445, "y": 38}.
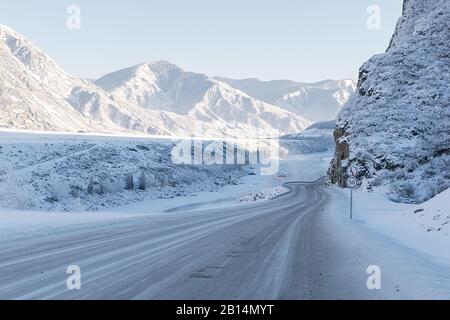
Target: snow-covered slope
{"x": 319, "y": 101}
{"x": 397, "y": 127}
{"x": 164, "y": 86}
{"x": 54, "y": 172}
{"x": 32, "y": 88}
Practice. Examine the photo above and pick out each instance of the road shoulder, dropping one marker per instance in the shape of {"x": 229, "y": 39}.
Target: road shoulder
{"x": 343, "y": 250}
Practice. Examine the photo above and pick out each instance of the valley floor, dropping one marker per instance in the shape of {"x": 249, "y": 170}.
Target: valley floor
{"x": 224, "y": 245}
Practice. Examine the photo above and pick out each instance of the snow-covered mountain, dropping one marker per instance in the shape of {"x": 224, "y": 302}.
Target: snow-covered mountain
{"x": 36, "y": 94}
{"x": 155, "y": 98}
{"x": 397, "y": 126}
{"x": 32, "y": 88}
{"x": 164, "y": 86}
{"x": 317, "y": 102}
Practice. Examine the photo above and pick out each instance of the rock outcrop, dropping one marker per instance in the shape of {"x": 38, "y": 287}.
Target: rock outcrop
{"x": 396, "y": 128}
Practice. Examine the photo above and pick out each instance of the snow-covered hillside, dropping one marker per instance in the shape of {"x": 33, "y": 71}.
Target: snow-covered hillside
{"x": 397, "y": 126}
{"x": 156, "y": 98}
{"x": 78, "y": 173}
{"x": 317, "y": 102}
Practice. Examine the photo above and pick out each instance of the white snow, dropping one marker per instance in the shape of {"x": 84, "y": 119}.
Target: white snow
{"x": 424, "y": 228}
{"x": 264, "y": 194}
{"x": 413, "y": 263}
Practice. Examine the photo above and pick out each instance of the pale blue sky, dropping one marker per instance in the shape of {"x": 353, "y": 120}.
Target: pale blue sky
{"x": 303, "y": 40}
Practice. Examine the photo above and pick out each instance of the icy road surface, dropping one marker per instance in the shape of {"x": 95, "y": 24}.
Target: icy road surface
{"x": 298, "y": 246}
{"x": 251, "y": 252}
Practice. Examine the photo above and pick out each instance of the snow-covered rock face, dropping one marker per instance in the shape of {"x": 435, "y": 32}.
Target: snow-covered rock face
{"x": 155, "y": 98}
{"x": 397, "y": 127}
{"x": 317, "y": 102}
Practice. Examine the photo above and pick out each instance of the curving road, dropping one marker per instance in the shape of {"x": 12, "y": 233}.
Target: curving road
{"x": 252, "y": 252}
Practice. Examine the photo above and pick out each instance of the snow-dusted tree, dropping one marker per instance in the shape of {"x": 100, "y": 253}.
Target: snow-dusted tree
{"x": 164, "y": 180}
{"x": 129, "y": 182}
{"x": 142, "y": 181}
{"x": 90, "y": 188}
{"x": 101, "y": 188}
{"x": 151, "y": 180}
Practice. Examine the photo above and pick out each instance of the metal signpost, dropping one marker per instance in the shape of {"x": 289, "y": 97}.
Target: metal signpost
{"x": 352, "y": 183}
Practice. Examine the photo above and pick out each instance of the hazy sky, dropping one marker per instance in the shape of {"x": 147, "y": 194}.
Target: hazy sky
{"x": 304, "y": 40}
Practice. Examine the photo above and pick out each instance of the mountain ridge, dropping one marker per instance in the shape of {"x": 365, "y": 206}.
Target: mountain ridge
{"x": 318, "y": 102}
{"x": 151, "y": 98}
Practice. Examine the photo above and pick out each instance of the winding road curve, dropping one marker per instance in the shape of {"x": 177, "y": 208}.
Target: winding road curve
{"x": 259, "y": 251}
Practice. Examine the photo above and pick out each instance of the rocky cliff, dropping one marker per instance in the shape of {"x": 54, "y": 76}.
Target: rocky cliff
{"x": 396, "y": 128}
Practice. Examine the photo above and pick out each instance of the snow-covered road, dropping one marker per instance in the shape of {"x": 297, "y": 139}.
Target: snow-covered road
{"x": 298, "y": 246}
{"x": 258, "y": 251}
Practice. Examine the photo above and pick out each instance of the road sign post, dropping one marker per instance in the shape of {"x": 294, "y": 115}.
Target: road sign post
{"x": 351, "y": 204}
{"x": 352, "y": 183}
